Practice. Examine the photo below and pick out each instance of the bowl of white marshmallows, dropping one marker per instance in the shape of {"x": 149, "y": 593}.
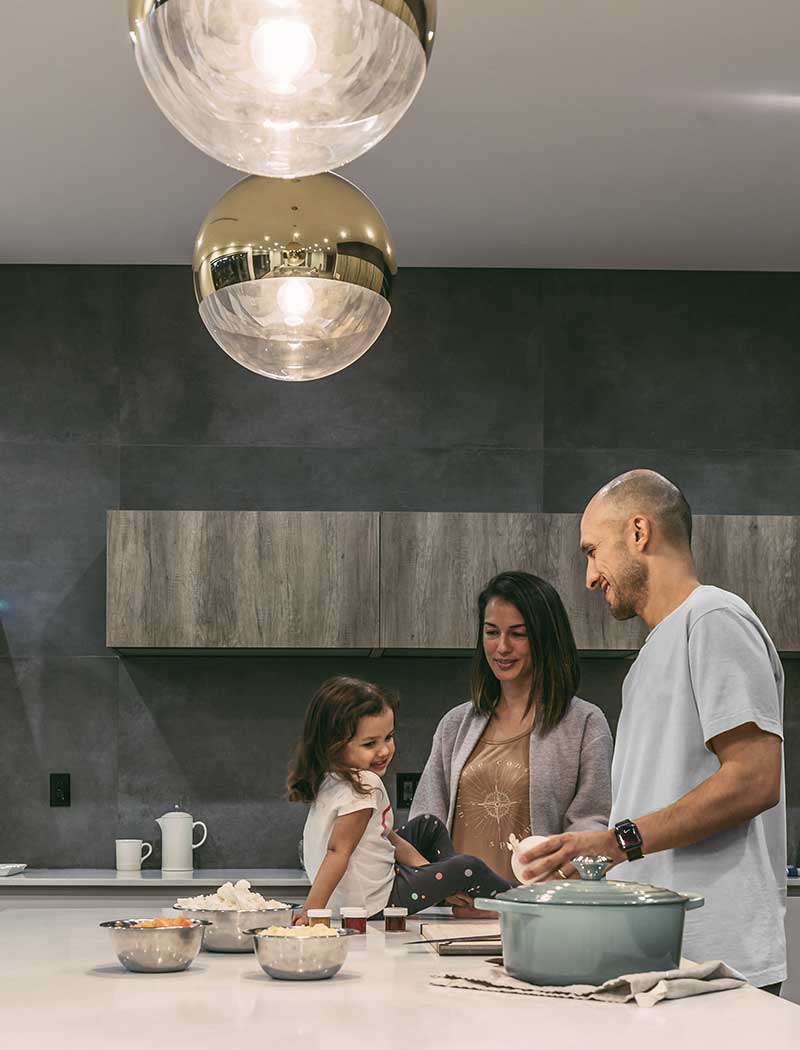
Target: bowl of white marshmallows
{"x": 233, "y": 910}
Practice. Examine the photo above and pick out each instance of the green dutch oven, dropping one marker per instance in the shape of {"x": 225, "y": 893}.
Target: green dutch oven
{"x": 589, "y": 931}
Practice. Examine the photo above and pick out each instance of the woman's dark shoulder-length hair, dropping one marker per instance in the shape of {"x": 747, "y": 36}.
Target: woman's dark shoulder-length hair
{"x": 554, "y": 657}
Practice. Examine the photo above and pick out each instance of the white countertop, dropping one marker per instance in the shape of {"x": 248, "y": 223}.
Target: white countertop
{"x": 61, "y": 985}
{"x": 66, "y": 877}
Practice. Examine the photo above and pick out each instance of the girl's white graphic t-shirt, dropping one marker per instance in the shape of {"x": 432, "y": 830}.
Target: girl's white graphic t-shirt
{"x": 369, "y": 878}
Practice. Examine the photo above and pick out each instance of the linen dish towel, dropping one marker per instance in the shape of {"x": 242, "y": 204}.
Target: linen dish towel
{"x": 645, "y": 989}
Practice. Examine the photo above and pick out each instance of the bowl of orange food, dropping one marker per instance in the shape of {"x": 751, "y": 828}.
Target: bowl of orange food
{"x": 159, "y": 945}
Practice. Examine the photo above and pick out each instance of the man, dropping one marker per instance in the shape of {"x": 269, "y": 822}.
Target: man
{"x": 697, "y": 778}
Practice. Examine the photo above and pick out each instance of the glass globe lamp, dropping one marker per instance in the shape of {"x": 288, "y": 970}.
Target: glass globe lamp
{"x": 283, "y": 87}
{"x": 293, "y": 276}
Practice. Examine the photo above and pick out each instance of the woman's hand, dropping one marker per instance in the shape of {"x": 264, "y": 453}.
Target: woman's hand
{"x": 300, "y": 918}
{"x": 464, "y": 908}
{"x": 459, "y": 900}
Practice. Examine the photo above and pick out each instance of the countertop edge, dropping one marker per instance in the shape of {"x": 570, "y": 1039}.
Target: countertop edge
{"x": 150, "y": 879}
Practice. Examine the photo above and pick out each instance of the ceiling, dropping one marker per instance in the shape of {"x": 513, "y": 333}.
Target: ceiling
{"x": 597, "y": 133}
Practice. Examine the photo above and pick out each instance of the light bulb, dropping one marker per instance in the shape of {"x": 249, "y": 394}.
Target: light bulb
{"x": 295, "y": 299}
{"x": 284, "y": 51}
{"x": 284, "y": 88}
{"x": 296, "y": 321}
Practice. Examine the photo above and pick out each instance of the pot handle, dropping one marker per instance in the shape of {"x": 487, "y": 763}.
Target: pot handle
{"x": 200, "y": 824}
{"x": 694, "y": 900}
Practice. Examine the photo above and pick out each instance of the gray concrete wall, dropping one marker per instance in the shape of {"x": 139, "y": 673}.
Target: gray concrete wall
{"x": 506, "y": 390}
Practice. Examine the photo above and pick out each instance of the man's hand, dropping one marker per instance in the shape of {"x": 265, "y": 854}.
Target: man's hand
{"x": 543, "y": 860}
{"x": 300, "y": 918}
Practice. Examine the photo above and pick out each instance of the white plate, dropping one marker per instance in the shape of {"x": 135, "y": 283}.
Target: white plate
{"x": 11, "y": 869}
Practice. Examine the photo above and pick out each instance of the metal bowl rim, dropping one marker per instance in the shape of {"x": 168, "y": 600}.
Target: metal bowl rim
{"x": 238, "y": 911}
{"x": 120, "y": 924}
{"x": 258, "y": 933}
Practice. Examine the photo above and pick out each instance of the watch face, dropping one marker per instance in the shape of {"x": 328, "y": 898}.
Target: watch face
{"x": 628, "y": 835}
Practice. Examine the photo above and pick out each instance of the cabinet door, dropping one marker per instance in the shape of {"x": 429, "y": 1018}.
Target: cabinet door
{"x": 433, "y": 566}
{"x": 242, "y": 579}
{"x": 759, "y": 559}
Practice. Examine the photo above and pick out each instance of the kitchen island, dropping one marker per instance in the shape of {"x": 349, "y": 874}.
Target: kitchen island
{"x": 61, "y": 986}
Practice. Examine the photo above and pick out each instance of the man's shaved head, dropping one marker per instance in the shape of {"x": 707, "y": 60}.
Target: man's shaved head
{"x": 649, "y": 493}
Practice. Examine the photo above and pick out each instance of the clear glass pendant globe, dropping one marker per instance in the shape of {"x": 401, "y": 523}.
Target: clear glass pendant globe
{"x": 295, "y": 328}
{"x": 280, "y": 87}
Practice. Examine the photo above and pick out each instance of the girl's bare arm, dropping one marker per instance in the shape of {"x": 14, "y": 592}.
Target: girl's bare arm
{"x": 346, "y": 834}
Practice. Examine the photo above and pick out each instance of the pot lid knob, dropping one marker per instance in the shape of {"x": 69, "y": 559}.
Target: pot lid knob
{"x": 592, "y": 869}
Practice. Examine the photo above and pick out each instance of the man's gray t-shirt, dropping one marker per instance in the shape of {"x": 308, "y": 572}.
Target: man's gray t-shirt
{"x": 708, "y": 667}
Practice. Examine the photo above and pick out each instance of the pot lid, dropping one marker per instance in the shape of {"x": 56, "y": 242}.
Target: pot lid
{"x": 592, "y": 888}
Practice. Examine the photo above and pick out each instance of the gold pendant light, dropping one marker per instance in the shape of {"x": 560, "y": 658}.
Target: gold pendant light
{"x": 293, "y": 277}
{"x": 283, "y": 87}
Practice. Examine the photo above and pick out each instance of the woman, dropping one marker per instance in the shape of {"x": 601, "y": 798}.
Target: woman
{"x": 524, "y": 755}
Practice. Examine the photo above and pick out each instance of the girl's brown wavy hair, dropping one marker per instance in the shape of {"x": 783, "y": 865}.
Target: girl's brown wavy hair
{"x": 330, "y": 724}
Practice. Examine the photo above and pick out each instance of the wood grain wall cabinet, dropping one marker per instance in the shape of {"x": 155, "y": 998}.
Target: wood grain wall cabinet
{"x": 318, "y": 580}
{"x": 433, "y": 566}
{"x": 759, "y": 559}
{"x": 242, "y": 579}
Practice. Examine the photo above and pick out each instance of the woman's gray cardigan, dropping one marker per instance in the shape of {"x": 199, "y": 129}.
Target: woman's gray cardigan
{"x": 570, "y": 769}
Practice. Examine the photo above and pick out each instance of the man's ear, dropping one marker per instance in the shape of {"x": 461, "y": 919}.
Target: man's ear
{"x": 641, "y": 531}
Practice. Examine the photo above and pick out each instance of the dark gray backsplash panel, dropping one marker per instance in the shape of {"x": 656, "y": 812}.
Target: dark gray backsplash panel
{"x": 498, "y": 390}
{"x": 60, "y": 350}
{"x": 52, "y": 546}
{"x": 715, "y": 482}
{"x": 671, "y": 360}
{"x": 214, "y": 734}
{"x": 58, "y": 715}
{"x": 188, "y": 477}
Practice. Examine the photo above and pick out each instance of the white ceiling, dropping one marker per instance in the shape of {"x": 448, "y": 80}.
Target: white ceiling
{"x": 596, "y": 133}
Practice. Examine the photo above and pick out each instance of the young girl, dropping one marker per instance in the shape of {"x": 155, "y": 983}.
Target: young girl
{"x": 352, "y": 854}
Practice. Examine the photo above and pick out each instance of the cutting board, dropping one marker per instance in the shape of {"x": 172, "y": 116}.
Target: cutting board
{"x": 434, "y": 931}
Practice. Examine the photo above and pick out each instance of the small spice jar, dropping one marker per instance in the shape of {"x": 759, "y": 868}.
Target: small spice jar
{"x": 354, "y": 919}
{"x": 394, "y": 920}
{"x": 319, "y": 916}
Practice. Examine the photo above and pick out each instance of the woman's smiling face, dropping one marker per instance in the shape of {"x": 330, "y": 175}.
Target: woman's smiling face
{"x": 505, "y": 641}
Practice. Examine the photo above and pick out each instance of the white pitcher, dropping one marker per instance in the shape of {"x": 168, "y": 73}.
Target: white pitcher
{"x": 177, "y": 830}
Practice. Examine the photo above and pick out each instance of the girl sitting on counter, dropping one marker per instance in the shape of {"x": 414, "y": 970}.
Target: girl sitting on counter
{"x": 352, "y": 854}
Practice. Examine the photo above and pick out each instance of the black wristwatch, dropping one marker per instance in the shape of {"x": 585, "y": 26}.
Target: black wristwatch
{"x": 630, "y": 841}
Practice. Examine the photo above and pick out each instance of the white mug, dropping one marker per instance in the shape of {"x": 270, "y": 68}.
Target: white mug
{"x": 131, "y": 853}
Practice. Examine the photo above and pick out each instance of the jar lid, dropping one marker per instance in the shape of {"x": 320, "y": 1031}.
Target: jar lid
{"x": 395, "y": 913}
{"x": 352, "y": 913}
{"x": 319, "y": 913}
{"x": 592, "y": 888}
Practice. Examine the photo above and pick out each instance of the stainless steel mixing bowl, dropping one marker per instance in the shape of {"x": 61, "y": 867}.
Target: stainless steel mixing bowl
{"x": 300, "y": 958}
{"x": 227, "y": 932}
{"x": 160, "y": 949}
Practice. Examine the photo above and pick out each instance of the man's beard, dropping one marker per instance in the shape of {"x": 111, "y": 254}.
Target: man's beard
{"x": 630, "y": 591}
